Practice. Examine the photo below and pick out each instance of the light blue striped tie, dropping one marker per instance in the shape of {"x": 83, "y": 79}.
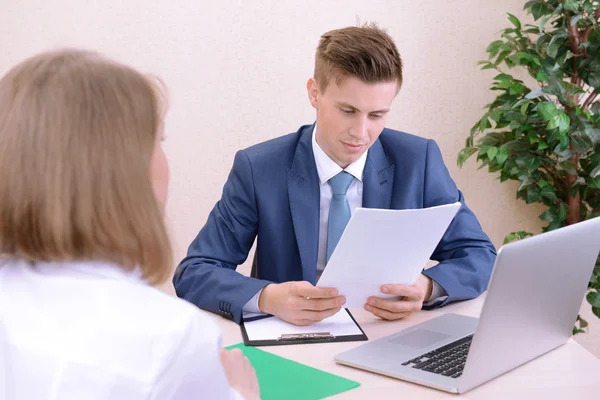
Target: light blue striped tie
{"x": 339, "y": 210}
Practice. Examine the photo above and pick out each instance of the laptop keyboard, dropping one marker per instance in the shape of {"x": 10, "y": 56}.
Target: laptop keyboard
{"x": 448, "y": 360}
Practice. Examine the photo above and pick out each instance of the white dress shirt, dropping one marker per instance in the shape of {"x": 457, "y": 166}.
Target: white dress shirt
{"x": 89, "y": 330}
{"x": 327, "y": 169}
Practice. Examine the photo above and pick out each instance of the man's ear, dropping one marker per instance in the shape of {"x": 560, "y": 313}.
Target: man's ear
{"x": 313, "y": 92}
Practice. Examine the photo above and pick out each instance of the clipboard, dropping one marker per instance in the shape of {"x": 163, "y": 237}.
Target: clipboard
{"x": 269, "y": 330}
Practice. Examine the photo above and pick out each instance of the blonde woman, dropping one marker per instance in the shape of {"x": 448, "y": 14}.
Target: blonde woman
{"x": 83, "y": 185}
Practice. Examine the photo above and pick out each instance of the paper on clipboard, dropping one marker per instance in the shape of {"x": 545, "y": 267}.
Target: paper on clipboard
{"x": 271, "y": 328}
{"x": 381, "y": 247}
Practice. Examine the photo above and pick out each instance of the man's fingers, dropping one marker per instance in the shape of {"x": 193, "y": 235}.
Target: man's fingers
{"x": 395, "y": 306}
{"x": 321, "y": 304}
{"x": 302, "y": 322}
{"x": 385, "y": 314}
{"x": 407, "y": 291}
{"x": 316, "y": 316}
{"x": 304, "y": 318}
{"x": 305, "y": 289}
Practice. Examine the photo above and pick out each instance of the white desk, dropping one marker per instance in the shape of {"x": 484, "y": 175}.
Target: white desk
{"x": 565, "y": 373}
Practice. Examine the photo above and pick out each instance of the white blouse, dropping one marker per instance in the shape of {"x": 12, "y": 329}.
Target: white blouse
{"x": 90, "y": 330}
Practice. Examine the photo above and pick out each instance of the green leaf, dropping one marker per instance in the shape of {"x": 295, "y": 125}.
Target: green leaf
{"x": 549, "y": 193}
{"x": 530, "y": 3}
{"x": 533, "y": 195}
{"x": 596, "y": 311}
{"x": 547, "y": 110}
{"x": 501, "y": 157}
{"x": 569, "y": 167}
{"x": 503, "y": 77}
{"x": 547, "y": 216}
{"x": 494, "y": 47}
{"x": 540, "y": 9}
{"x": 564, "y": 142}
{"x": 595, "y": 183}
{"x": 541, "y": 76}
{"x": 491, "y": 152}
{"x": 543, "y": 183}
{"x": 503, "y": 85}
{"x": 502, "y": 56}
{"x": 484, "y": 123}
{"x": 593, "y": 80}
{"x": 523, "y": 103}
{"x": 560, "y": 121}
{"x": 595, "y": 172}
{"x": 542, "y": 43}
{"x": 571, "y": 5}
{"x": 513, "y": 236}
{"x": 534, "y": 94}
{"x": 575, "y": 19}
{"x": 464, "y": 155}
{"x": 562, "y": 212}
{"x": 515, "y": 21}
{"x": 542, "y": 145}
{"x": 593, "y": 134}
{"x": 581, "y": 144}
{"x": 533, "y": 137}
{"x": 533, "y": 163}
{"x": 492, "y": 139}
{"x": 543, "y": 23}
{"x": 516, "y": 146}
{"x": 554, "y": 45}
{"x": 523, "y": 58}
{"x": 516, "y": 89}
{"x": 594, "y": 299}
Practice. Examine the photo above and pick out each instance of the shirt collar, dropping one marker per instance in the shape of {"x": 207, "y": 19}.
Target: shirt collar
{"x": 327, "y": 168}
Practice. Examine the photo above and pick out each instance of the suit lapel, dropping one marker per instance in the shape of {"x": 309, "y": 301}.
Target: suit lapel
{"x": 378, "y": 179}
{"x": 304, "y": 196}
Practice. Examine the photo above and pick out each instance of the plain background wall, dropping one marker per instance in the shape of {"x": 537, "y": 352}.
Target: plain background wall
{"x": 237, "y": 72}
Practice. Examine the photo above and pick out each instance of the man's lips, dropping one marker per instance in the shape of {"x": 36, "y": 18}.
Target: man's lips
{"x": 353, "y": 147}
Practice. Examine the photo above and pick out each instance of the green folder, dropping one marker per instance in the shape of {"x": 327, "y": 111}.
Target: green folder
{"x": 280, "y": 378}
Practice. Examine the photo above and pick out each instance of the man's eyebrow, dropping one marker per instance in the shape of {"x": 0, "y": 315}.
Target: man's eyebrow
{"x": 346, "y": 105}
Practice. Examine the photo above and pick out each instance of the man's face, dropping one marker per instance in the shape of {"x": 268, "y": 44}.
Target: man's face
{"x": 351, "y": 116}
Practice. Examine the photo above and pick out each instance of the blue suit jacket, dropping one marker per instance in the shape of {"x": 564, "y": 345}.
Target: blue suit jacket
{"x": 273, "y": 191}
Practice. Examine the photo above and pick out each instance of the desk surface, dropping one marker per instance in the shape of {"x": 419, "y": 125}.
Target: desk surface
{"x": 562, "y": 373}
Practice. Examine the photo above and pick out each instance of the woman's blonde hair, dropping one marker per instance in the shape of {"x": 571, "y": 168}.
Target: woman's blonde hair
{"x": 77, "y": 133}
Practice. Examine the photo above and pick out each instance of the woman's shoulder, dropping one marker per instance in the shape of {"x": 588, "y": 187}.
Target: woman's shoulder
{"x": 166, "y": 311}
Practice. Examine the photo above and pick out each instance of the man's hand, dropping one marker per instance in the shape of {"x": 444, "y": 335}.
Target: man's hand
{"x": 410, "y": 299}
{"x": 300, "y": 303}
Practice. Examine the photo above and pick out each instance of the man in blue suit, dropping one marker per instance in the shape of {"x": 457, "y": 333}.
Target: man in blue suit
{"x": 297, "y": 192}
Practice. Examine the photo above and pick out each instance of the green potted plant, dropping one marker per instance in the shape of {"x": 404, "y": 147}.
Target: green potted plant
{"x": 543, "y": 127}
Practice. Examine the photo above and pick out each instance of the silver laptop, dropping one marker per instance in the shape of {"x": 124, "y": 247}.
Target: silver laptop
{"x": 534, "y": 296}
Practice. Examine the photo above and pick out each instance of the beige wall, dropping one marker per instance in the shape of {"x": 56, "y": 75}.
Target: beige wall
{"x": 237, "y": 72}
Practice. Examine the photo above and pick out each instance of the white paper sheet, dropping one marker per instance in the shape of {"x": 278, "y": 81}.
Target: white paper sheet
{"x": 341, "y": 324}
{"x": 381, "y": 247}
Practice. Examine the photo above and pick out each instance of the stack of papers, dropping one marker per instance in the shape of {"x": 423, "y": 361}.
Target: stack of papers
{"x": 381, "y": 247}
